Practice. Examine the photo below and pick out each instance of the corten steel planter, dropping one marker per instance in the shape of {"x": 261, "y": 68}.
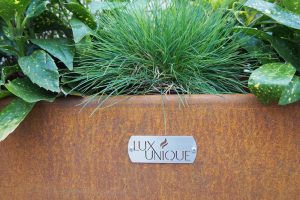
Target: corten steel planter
{"x": 245, "y": 151}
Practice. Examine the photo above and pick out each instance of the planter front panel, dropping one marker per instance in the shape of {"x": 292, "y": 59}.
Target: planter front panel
{"x": 245, "y": 151}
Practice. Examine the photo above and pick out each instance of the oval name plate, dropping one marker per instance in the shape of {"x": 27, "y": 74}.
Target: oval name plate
{"x": 162, "y": 149}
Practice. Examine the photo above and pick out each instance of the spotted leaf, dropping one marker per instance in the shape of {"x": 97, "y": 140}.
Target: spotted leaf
{"x": 62, "y": 49}
{"x": 8, "y": 71}
{"x": 292, "y": 92}
{"x": 37, "y": 7}
{"x": 79, "y": 29}
{"x": 81, "y": 13}
{"x": 28, "y": 91}
{"x": 12, "y": 115}
{"x": 276, "y": 12}
{"x": 48, "y": 21}
{"x": 270, "y": 80}
{"x": 41, "y": 70}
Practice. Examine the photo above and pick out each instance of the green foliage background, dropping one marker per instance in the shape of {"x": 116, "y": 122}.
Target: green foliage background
{"x": 277, "y": 24}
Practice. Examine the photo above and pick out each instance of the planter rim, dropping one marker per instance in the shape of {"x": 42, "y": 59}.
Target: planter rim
{"x": 231, "y": 100}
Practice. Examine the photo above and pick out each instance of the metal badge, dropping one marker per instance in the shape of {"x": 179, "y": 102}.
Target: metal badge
{"x": 162, "y": 149}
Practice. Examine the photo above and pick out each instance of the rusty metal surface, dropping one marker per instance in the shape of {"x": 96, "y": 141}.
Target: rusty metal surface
{"x": 245, "y": 151}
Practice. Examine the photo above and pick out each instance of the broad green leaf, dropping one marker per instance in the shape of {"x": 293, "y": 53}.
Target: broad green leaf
{"x": 291, "y": 93}
{"x": 41, "y": 70}
{"x": 256, "y": 45}
{"x": 100, "y": 6}
{"x": 81, "y": 13}
{"x": 288, "y": 50}
{"x": 285, "y": 32}
{"x": 6, "y": 45}
{"x": 8, "y": 8}
{"x": 80, "y": 30}
{"x": 8, "y": 71}
{"x": 62, "y": 49}
{"x": 12, "y": 115}
{"x": 36, "y": 8}
{"x": 48, "y": 21}
{"x": 292, "y": 5}
{"x": 269, "y": 81}
{"x": 275, "y": 12}
{"x": 28, "y": 91}
{"x": 4, "y": 93}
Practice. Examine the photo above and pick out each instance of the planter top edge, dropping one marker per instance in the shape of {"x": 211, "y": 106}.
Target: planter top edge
{"x": 144, "y": 100}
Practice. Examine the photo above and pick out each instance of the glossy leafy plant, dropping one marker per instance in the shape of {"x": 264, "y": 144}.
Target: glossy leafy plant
{"x": 36, "y": 40}
{"x": 277, "y": 25}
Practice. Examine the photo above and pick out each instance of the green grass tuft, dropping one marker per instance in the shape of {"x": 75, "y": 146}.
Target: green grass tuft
{"x": 184, "y": 48}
